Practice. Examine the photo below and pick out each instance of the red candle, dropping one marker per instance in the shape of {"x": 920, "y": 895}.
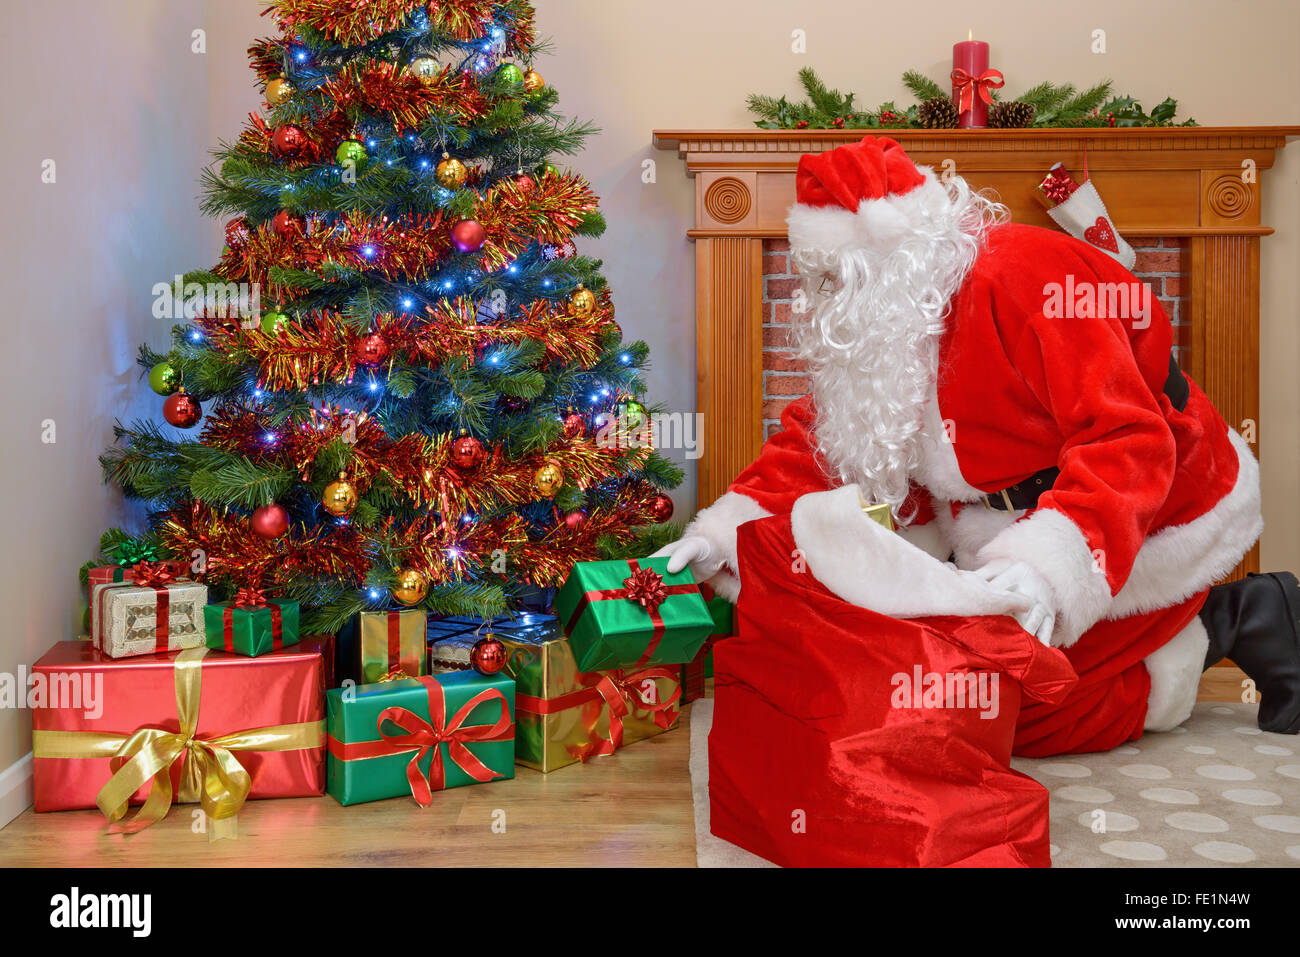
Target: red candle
{"x": 973, "y": 57}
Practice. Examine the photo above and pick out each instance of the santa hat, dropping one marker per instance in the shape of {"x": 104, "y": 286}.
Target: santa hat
{"x": 862, "y": 194}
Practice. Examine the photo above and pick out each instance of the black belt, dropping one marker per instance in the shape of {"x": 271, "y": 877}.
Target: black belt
{"x": 1024, "y": 494}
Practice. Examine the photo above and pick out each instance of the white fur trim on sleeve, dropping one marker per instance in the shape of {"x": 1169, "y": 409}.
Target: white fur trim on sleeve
{"x": 869, "y": 566}
{"x": 717, "y": 525}
{"x": 1053, "y": 546}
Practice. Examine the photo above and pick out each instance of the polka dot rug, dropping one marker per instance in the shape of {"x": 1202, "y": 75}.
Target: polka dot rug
{"x": 1214, "y": 792}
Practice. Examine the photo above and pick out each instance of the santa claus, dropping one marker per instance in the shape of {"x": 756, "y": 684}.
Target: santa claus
{"x": 1025, "y": 421}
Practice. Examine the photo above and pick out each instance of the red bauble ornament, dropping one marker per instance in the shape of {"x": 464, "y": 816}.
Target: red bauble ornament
{"x": 370, "y": 350}
{"x": 488, "y": 656}
{"x": 466, "y": 452}
{"x": 574, "y": 425}
{"x": 661, "y": 509}
{"x": 182, "y": 410}
{"x": 575, "y": 520}
{"x": 289, "y": 140}
{"x": 269, "y": 521}
{"x": 287, "y": 224}
{"x": 468, "y": 235}
{"x": 525, "y": 183}
{"x": 237, "y": 232}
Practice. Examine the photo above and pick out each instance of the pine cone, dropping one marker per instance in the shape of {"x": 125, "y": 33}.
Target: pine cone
{"x": 938, "y": 113}
{"x": 1011, "y": 116}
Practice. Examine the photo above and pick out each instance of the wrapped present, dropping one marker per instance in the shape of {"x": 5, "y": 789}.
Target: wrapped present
{"x": 627, "y": 614}
{"x": 109, "y": 574}
{"x": 147, "y": 612}
{"x": 452, "y": 637}
{"x": 565, "y": 715}
{"x": 195, "y": 725}
{"x": 419, "y": 735}
{"x": 251, "y": 624}
{"x": 376, "y": 644}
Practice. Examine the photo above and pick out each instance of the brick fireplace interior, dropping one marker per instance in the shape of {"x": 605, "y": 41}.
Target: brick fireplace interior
{"x": 1160, "y": 264}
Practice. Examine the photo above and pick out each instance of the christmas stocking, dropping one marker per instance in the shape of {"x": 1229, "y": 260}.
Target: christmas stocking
{"x": 1079, "y": 210}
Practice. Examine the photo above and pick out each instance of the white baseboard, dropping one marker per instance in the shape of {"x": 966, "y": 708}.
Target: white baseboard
{"x": 15, "y": 789}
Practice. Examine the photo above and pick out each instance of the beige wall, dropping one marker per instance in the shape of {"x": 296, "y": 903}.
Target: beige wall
{"x": 113, "y": 94}
{"x": 131, "y": 126}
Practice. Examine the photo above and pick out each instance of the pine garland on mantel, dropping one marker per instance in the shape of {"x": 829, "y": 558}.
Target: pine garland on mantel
{"x": 1046, "y": 105}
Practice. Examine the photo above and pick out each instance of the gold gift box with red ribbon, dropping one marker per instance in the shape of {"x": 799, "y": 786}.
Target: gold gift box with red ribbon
{"x": 148, "y": 611}
{"x": 563, "y": 716}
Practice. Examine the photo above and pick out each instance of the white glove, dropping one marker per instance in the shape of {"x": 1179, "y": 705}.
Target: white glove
{"x": 1018, "y": 578}
{"x": 693, "y": 550}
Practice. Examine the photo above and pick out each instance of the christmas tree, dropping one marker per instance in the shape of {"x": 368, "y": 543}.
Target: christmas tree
{"x": 405, "y": 384}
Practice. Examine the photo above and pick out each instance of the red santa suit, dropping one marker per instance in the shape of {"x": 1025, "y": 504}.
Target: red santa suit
{"x": 1153, "y": 503}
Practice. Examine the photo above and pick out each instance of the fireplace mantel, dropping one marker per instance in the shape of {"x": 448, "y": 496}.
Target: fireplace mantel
{"x": 1198, "y": 184}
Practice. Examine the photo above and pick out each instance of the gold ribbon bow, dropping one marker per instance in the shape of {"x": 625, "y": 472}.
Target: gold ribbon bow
{"x": 210, "y": 774}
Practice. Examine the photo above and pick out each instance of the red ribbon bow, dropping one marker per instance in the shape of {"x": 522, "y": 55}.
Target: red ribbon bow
{"x": 965, "y": 85}
{"x": 646, "y": 587}
{"x": 249, "y": 597}
{"x": 623, "y": 691}
{"x": 152, "y": 575}
{"x": 424, "y": 736}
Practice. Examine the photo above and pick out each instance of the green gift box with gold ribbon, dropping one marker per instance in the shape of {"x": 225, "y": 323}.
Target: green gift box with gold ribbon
{"x": 415, "y": 736}
{"x": 627, "y": 614}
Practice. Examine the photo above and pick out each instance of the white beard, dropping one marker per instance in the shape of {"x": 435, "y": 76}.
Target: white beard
{"x": 873, "y": 344}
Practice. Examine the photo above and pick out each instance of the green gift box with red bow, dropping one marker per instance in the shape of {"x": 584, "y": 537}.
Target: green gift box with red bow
{"x": 627, "y": 614}
{"x": 417, "y": 736}
{"x": 251, "y": 624}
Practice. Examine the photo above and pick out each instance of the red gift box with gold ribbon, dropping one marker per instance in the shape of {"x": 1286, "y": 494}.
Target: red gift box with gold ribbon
{"x": 190, "y": 726}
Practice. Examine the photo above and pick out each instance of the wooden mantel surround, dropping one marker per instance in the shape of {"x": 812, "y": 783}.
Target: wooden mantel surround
{"x": 1200, "y": 185}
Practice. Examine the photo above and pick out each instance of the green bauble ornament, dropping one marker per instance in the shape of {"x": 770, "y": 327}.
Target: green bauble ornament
{"x": 548, "y": 168}
{"x": 164, "y": 379}
{"x": 510, "y": 73}
{"x": 633, "y": 413}
{"x": 273, "y": 322}
{"x": 350, "y": 151}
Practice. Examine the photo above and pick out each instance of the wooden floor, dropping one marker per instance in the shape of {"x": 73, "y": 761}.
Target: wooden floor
{"x": 632, "y": 809}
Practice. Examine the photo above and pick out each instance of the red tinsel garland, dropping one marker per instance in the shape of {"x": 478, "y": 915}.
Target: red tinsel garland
{"x": 322, "y": 346}
{"x": 412, "y": 249}
{"x": 419, "y": 467}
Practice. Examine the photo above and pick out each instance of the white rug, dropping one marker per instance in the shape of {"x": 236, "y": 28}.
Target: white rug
{"x": 1215, "y": 792}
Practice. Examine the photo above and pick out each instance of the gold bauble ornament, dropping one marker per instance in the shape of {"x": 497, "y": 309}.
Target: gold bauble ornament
{"x": 278, "y": 90}
{"x": 548, "y": 479}
{"x": 582, "y": 303}
{"x": 425, "y": 67}
{"x": 533, "y": 81}
{"x": 339, "y": 498}
{"x": 411, "y": 586}
{"x": 451, "y": 173}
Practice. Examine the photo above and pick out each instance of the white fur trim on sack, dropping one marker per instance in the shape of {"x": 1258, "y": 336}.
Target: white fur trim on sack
{"x": 869, "y": 566}
{"x": 717, "y": 525}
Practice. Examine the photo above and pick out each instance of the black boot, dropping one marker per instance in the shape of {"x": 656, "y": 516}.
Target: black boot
{"x": 1255, "y": 621}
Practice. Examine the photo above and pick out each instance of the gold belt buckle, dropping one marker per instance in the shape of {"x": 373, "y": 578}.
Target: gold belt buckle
{"x": 1006, "y": 500}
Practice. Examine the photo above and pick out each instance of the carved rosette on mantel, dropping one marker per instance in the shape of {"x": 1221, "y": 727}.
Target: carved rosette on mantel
{"x": 1198, "y": 187}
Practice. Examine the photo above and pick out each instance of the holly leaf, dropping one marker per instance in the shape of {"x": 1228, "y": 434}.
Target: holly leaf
{"x": 1164, "y": 111}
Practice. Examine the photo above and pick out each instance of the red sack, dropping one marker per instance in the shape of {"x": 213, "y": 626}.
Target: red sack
{"x": 825, "y": 753}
